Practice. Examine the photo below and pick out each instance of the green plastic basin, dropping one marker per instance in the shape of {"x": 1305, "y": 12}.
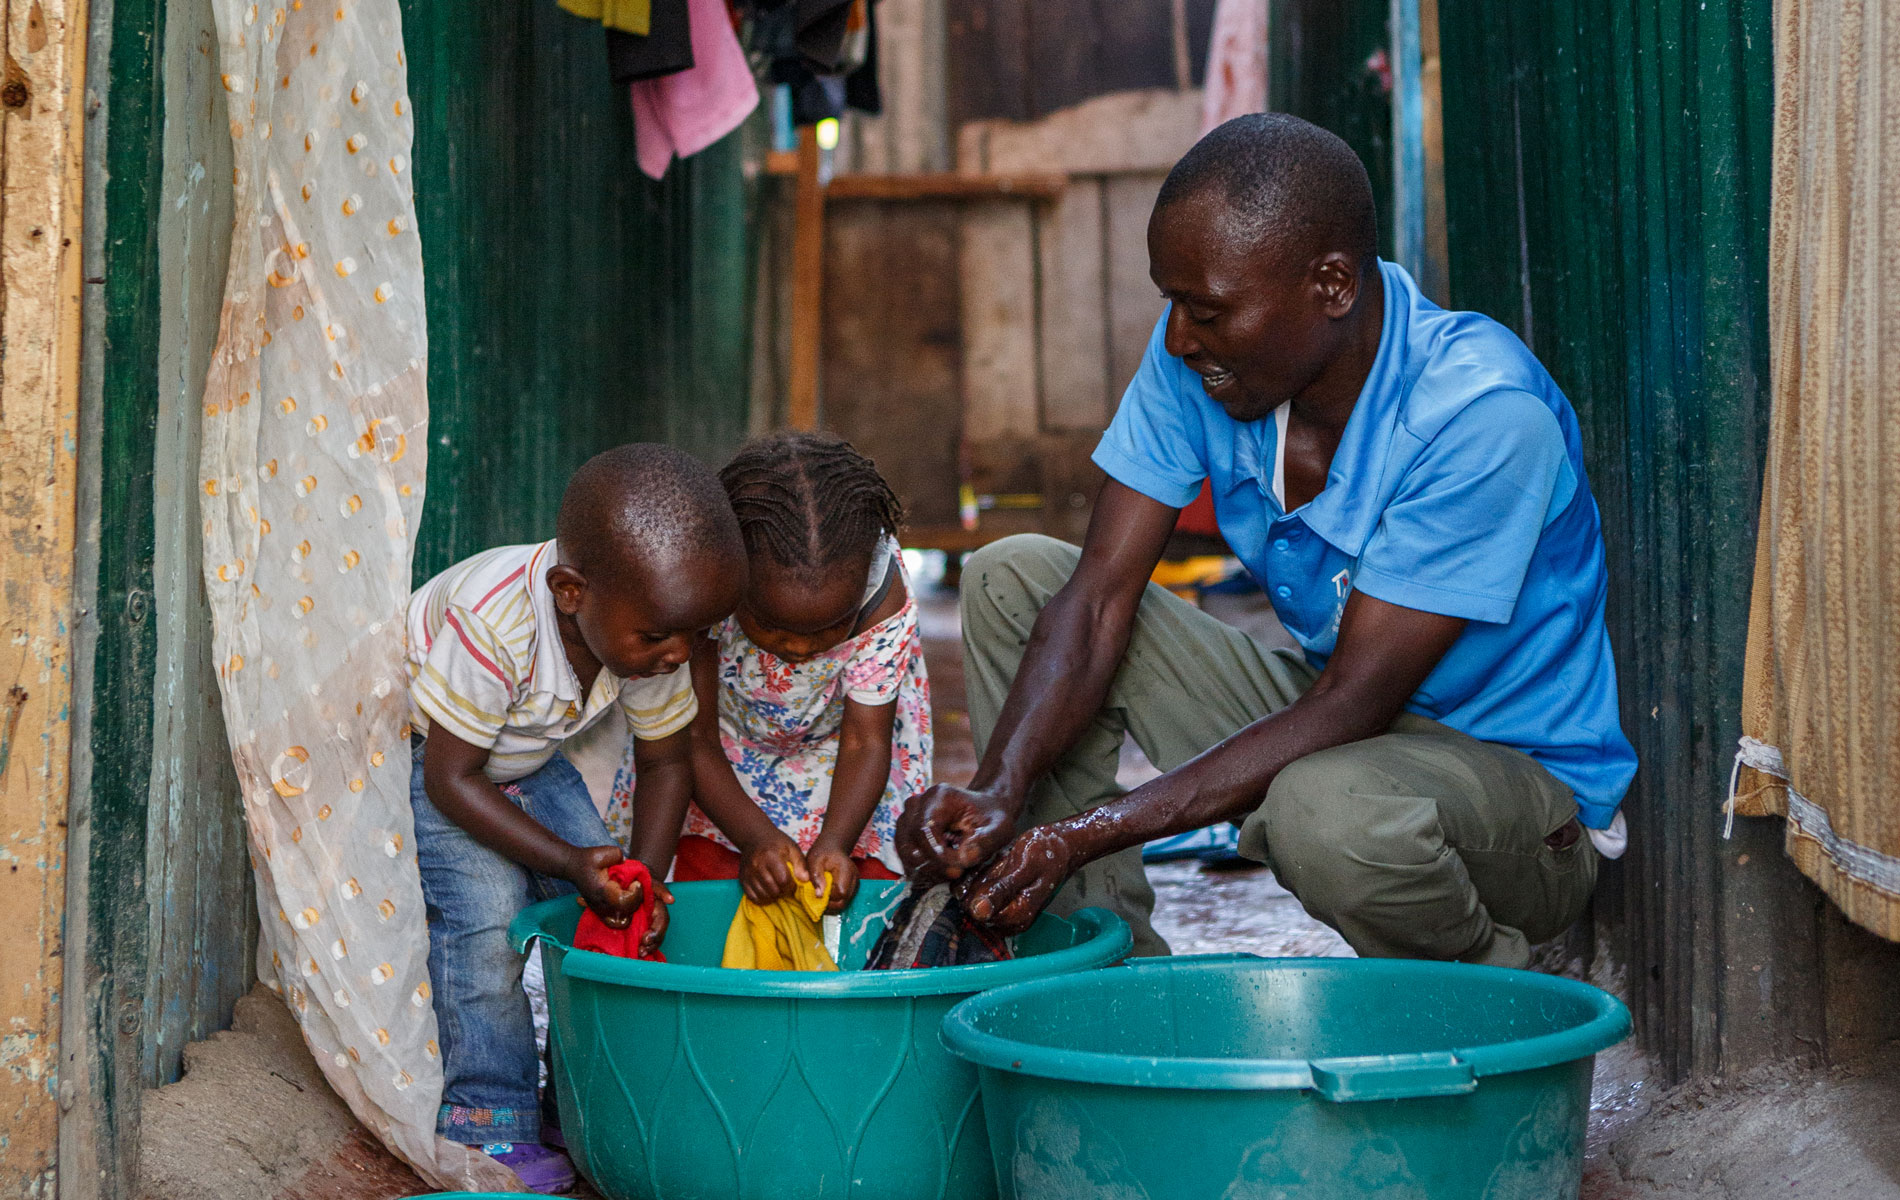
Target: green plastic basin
{"x": 681, "y": 1080}
{"x": 1297, "y": 1079}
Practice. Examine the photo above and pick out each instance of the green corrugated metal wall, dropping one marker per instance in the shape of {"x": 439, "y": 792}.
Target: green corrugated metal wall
{"x": 573, "y": 303}
{"x": 1320, "y": 67}
{"x": 1606, "y": 178}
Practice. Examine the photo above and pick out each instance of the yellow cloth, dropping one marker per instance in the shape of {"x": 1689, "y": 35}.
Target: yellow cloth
{"x": 781, "y": 936}
{"x": 628, "y": 16}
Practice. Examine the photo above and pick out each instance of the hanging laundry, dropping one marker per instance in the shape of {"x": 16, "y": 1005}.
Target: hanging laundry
{"x": 819, "y": 29}
{"x": 684, "y": 113}
{"x": 594, "y": 934}
{"x": 817, "y": 98}
{"x": 861, "y": 89}
{"x": 857, "y": 37}
{"x": 1236, "y": 62}
{"x": 824, "y": 52}
{"x": 629, "y": 16}
{"x": 933, "y": 929}
{"x": 667, "y": 48}
{"x": 784, "y": 935}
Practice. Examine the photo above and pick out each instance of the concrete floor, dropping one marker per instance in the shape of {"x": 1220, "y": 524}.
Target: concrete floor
{"x": 253, "y": 1118}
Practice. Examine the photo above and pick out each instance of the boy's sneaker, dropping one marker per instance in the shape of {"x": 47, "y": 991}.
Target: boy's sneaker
{"x": 543, "y": 1168}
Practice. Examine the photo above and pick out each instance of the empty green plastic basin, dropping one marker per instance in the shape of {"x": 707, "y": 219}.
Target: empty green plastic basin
{"x": 682, "y": 1081}
{"x": 1293, "y": 1079}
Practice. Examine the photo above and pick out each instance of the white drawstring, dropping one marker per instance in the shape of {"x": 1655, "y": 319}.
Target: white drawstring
{"x": 1758, "y": 755}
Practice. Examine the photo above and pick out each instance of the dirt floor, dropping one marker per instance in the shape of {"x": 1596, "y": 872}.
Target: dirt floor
{"x": 253, "y": 1119}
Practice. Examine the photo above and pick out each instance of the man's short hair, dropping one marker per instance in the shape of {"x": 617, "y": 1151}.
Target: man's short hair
{"x": 644, "y": 504}
{"x": 1284, "y": 181}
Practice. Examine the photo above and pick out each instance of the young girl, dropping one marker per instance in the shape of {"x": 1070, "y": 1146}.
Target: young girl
{"x": 814, "y": 722}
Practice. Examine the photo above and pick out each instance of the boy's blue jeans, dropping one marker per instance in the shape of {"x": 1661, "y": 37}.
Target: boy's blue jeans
{"x": 470, "y": 894}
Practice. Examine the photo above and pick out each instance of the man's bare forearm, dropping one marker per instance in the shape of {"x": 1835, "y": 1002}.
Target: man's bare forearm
{"x": 1226, "y": 781}
{"x": 1383, "y": 655}
{"x": 1073, "y": 653}
{"x": 1077, "y": 643}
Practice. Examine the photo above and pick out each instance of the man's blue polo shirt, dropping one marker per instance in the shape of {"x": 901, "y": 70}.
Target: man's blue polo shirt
{"x": 1458, "y": 488}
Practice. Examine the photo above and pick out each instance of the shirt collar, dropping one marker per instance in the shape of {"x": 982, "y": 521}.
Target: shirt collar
{"x": 1348, "y": 508}
{"x": 550, "y": 671}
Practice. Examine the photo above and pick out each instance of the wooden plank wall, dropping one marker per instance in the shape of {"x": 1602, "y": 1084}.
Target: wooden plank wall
{"x": 1021, "y": 61}
{"x": 1032, "y": 314}
{"x": 1007, "y": 363}
{"x": 40, "y": 138}
{"x": 893, "y": 357}
{"x": 913, "y": 134}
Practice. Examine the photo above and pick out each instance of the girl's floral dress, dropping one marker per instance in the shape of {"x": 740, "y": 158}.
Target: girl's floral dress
{"x": 780, "y": 724}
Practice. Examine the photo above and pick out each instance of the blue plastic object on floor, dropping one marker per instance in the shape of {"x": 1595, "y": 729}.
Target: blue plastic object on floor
{"x": 1229, "y": 1075}
{"x": 1215, "y": 843}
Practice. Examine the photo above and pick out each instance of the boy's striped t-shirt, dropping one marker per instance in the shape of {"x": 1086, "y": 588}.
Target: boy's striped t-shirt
{"x": 486, "y": 663}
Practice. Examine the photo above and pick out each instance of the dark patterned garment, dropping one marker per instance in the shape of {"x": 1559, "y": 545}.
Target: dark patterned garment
{"x": 932, "y": 929}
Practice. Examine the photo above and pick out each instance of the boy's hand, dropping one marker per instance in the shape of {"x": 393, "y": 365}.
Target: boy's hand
{"x": 829, "y": 860}
{"x": 613, "y": 904}
{"x": 771, "y": 868}
{"x": 662, "y": 917}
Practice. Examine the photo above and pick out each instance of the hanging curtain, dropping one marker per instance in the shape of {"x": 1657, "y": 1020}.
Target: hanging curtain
{"x": 315, "y": 447}
{"x": 1821, "y": 702}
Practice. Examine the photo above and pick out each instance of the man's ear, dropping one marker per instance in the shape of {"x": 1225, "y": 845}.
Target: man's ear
{"x": 1336, "y": 278}
{"x": 568, "y": 585}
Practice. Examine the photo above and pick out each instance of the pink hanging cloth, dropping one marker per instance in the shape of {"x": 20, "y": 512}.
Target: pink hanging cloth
{"x": 1236, "y": 86}
{"x": 683, "y": 113}
{"x": 1236, "y": 62}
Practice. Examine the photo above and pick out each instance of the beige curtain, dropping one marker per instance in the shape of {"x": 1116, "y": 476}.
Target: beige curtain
{"x": 1821, "y": 706}
{"x": 315, "y": 444}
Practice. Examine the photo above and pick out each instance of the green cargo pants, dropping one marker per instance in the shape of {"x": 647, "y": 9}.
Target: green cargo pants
{"x": 1420, "y": 843}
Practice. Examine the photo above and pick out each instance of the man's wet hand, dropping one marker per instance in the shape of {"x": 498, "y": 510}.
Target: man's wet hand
{"x": 949, "y": 830}
{"x": 1011, "y": 892}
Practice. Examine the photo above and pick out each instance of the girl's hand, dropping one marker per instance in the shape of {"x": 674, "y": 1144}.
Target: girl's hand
{"x": 771, "y": 868}
{"x": 829, "y": 860}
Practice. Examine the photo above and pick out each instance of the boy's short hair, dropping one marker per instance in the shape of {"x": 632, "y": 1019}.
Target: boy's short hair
{"x": 644, "y": 504}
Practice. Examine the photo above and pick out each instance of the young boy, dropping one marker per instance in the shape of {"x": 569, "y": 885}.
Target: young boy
{"x": 510, "y": 653}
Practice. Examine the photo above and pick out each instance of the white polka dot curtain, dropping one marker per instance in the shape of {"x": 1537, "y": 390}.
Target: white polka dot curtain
{"x": 315, "y": 447}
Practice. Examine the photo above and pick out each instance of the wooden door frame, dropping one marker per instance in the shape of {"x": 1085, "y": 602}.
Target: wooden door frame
{"x": 40, "y": 236}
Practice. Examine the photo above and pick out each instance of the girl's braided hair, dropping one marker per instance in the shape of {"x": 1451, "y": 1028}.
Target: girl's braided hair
{"x": 808, "y": 500}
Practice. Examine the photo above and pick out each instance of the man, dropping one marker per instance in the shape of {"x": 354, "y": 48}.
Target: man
{"x": 1407, "y": 484}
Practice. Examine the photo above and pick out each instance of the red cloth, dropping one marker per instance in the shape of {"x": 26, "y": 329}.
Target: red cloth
{"x": 1198, "y": 516}
{"x": 595, "y": 934}
{"x": 702, "y": 858}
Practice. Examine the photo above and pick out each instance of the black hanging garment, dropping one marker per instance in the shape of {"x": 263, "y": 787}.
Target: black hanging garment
{"x": 809, "y": 46}
{"x": 667, "y": 49}
{"x": 860, "y": 86}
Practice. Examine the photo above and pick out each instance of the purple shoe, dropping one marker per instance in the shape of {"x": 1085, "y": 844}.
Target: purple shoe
{"x": 544, "y": 1169}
